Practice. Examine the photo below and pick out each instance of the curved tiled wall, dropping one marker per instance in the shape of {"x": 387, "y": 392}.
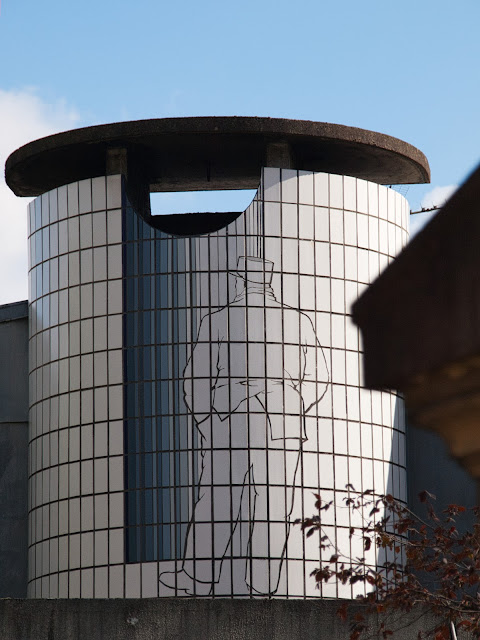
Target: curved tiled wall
{"x": 189, "y": 394}
{"x": 76, "y": 407}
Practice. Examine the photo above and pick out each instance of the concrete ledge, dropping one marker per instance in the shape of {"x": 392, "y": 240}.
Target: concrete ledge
{"x": 422, "y": 313}
{"x": 172, "y": 619}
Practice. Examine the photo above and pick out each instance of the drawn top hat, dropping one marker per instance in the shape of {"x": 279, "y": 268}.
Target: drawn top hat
{"x": 253, "y": 269}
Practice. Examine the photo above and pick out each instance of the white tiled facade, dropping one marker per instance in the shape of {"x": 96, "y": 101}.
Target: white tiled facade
{"x": 189, "y": 394}
{"x": 76, "y": 522}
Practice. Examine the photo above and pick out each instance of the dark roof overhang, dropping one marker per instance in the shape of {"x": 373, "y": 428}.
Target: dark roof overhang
{"x": 204, "y": 153}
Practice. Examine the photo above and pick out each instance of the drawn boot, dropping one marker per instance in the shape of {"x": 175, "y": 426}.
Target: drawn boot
{"x": 179, "y": 580}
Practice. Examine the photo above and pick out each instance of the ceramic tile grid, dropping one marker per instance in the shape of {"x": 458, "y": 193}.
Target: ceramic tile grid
{"x": 237, "y": 393}
{"x": 76, "y": 389}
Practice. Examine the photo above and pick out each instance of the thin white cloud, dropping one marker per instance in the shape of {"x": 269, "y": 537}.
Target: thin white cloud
{"x": 438, "y": 196}
{"x": 24, "y": 116}
{"x": 434, "y": 198}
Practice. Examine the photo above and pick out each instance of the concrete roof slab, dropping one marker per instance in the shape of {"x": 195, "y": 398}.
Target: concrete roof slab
{"x": 207, "y": 153}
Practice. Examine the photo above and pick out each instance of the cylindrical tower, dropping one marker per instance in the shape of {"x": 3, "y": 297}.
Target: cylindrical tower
{"x": 195, "y": 379}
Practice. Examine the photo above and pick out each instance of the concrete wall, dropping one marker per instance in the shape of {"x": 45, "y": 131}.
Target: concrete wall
{"x": 14, "y": 361}
{"x": 185, "y": 619}
{"x": 431, "y": 468}
{"x": 13, "y": 449}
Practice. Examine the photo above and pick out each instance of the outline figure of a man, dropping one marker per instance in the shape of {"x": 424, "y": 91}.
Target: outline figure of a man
{"x": 255, "y": 372}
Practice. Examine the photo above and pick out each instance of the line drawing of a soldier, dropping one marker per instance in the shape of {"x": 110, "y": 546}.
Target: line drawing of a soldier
{"x": 255, "y": 372}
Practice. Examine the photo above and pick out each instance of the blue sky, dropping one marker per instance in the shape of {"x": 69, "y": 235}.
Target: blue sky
{"x": 407, "y": 69}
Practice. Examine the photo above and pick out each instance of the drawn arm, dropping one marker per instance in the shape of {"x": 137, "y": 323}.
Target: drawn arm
{"x": 197, "y": 376}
